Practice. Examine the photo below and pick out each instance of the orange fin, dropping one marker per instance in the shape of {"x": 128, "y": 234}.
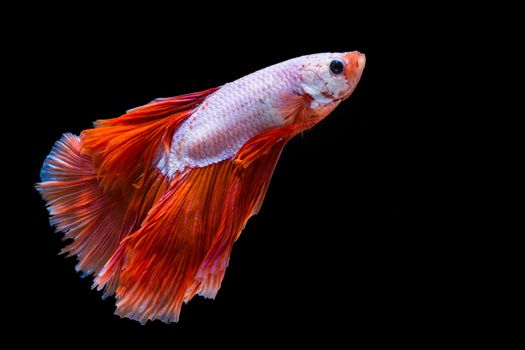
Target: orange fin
{"x": 253, "y": 182}
{"x": 124, "y": 148}
{"x": 77, "y": 207}
{"x": 184, "y": 245}
{"x": 296, "y": 109}
{"x": 262, "y": 144}
{"x": 154, "y": 241}
{"x": 88, "y": 181}
{"x": 96, "y": 221}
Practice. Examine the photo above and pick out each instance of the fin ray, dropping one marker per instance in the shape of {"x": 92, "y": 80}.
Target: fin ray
{"x": 76, "y": 206}
{"x": 87, "y": 180}
{"x": 124, "y": 148}
{"x": 152, "y": 240}
{"x": 184, "y": 245}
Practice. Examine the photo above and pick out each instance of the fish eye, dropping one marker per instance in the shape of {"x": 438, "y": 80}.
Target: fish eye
{"x": 337, "y": 66}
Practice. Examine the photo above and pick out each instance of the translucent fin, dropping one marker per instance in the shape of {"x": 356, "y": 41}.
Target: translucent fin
{"x": 184, "y": 245}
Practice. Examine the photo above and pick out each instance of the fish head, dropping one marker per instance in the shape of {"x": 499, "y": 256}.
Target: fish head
{"x": 326, "y": 79}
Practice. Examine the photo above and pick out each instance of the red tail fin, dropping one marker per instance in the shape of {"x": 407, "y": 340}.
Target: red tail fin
{"x": 154, "y": 241}
{"x": 88, "y": 181}
{"x": 77, "y": 205}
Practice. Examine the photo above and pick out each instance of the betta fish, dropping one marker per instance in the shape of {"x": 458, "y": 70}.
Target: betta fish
{"x": 154, "y": 200}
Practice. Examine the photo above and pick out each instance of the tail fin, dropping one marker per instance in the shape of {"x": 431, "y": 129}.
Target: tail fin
{"x": 154, "y": 241}
{"x": 77, "y": 206}
{"x": 90, "y": 183}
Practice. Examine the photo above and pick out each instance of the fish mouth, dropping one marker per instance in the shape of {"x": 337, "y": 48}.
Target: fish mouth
{"x": 355, "y": 62}
{"x": 361, "y": 60}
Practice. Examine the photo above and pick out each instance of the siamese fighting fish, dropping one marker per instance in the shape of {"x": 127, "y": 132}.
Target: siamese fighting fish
{"x": 153, "y": 201}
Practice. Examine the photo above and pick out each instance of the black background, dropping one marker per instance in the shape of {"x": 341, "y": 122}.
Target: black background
{"x": 344, "y": 248}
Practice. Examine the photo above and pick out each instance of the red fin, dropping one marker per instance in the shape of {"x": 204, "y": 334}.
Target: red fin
{"x": 124, "y": 148}
{"x": 253, "y": 183}
{"x": 96, "y": 221}
{"x": 139, "y": 202}
{"x": 87, "y": 181}
{"x": 153, "y": 241}
{"x": 76, "y": 205}
{"x": 162, "y": 257}
{"x": 262, "y": 144}
{"x": 296, "y": 109}
{"x": 185, "y": 242}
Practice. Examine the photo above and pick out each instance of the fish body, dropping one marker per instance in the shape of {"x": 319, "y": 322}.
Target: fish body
{"x": 246, "y": 107}
{"x": 155, "y": 199}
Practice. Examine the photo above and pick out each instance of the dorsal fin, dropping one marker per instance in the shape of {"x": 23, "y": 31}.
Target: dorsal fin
{"x": 124, "y": 148}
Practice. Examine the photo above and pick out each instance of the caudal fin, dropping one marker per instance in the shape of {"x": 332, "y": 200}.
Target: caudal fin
{"x": 100, "y": 186}
{"x": 155, "y": 241}
{"x": 77, "y": 206}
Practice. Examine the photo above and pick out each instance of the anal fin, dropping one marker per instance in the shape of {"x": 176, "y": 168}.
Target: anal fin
{"x": 184, "y": 245}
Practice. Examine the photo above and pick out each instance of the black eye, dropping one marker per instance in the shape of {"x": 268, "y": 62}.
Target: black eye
{"x": 337, "y": 66}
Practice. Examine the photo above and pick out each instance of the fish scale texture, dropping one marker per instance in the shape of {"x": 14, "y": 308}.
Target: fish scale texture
{"x": 231, "y": 116}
